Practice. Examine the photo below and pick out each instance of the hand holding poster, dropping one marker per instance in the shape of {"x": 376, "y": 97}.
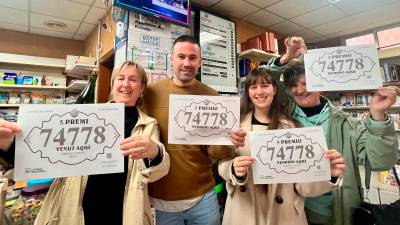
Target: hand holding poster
{"x": 342, "y": 68}
{"x": 69, "y": 140}
{"x": 203, "y": 120}
{"x": 289, "y": 155}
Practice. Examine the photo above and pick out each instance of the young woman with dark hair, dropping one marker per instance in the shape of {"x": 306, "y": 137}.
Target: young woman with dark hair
{"x": 272, "y": 204}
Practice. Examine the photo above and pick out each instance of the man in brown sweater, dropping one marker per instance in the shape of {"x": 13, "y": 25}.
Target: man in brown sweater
{"x": 185, "y": 195}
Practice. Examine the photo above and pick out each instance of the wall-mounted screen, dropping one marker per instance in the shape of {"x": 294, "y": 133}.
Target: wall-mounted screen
{"x": 177, "y": 11}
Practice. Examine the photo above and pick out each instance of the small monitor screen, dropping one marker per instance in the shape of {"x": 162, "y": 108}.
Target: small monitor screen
{"x": 177, "y": 11}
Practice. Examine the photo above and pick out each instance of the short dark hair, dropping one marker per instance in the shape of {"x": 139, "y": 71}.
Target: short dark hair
{"x": 186, "y": 38}
{"x": 291, "y": 76}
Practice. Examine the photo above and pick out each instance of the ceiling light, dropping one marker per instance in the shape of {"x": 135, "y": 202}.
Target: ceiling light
{"x": 333, "y": 1}
{"x": 55, "y": 24}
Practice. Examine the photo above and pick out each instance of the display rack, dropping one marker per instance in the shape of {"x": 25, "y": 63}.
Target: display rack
{"x": 81, "y": 70}
{"x": 32, "y": 87}
{"x": 77, "y": 86}
{"x": 38, "y": 67}
{"x": 394, "y": 107}
{"x": 392, "y": 83}
{"x": 34, "y": 61}
{"x": 257, "y": 55}
{"x": 389, "y": 53}
{"x": 10, "y": 105}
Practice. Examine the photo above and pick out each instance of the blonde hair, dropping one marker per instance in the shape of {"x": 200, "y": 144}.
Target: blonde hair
{"x": 140, "y": 70}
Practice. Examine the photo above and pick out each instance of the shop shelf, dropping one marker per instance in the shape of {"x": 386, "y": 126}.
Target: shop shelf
{"x": 389, "y": 53}
{"x": 81, "y": 70}
{"x": 77, "y": 86}
{"x": 31, "y": 86}
{"x": 17, "y": 105}
{"x": 256, "y": 54}
{"x": 9, "y": 105}
{"x": 34, "y": 61}
{"x": 393, "y": 83}
{"x": 394, "y": 107}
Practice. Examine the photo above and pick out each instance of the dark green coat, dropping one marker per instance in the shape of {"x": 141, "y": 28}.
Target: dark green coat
{"x": 355, "y": 140}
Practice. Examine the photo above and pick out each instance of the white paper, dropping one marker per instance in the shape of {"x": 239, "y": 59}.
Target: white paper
{"x": 289, "y": 155}
{"x": 148, "y": 32}
{"x": 120, "y": 54}
{"x": 218, "y": 40}
{"x": 69, "y": 140}
{"x": 149, "y": 41}
{"x": 343, "y": 68}
{"x": 202, "y": 120}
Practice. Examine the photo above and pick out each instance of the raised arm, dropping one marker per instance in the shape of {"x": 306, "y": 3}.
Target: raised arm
{"x": 378, "y": 138}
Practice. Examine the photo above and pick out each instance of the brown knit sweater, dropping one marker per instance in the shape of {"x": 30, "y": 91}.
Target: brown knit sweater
{"x": 190, "y": 174}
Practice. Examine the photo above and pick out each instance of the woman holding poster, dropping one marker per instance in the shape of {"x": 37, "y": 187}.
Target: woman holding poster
{"x": 371, "y": 138}
{"x": 118, "y": 198}
{"x": 273, "y": 204}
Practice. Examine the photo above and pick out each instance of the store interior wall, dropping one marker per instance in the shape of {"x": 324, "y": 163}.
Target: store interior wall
{"x": 37, "y": 45}
{"x": 246, "y": 30}
{"x": 107, "y": 36}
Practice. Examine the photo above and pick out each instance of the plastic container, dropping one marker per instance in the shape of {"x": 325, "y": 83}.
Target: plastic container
{"x": 26, "y": 97}
{"x": 26, "y": 208}
{"x": 9, "y": 78}
{"x": 14, "y": 98}
{"x": 40, "y": 181}
{"x": 20, "y": 79}
{"x": 28, "y": 80}
{"x": 3, "y": 97}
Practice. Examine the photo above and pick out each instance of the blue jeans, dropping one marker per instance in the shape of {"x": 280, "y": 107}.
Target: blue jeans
{"x": 205, "y": 212}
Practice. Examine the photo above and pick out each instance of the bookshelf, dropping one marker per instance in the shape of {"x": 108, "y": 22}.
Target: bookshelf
{"x": 255, "y": 56}
{"x": 389, "y": 53}
{"x": 32, "y": 61}
{"x": 77, "y": 86}
{"x": 350, "y": 108}
{"x": 389, "y": 59}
